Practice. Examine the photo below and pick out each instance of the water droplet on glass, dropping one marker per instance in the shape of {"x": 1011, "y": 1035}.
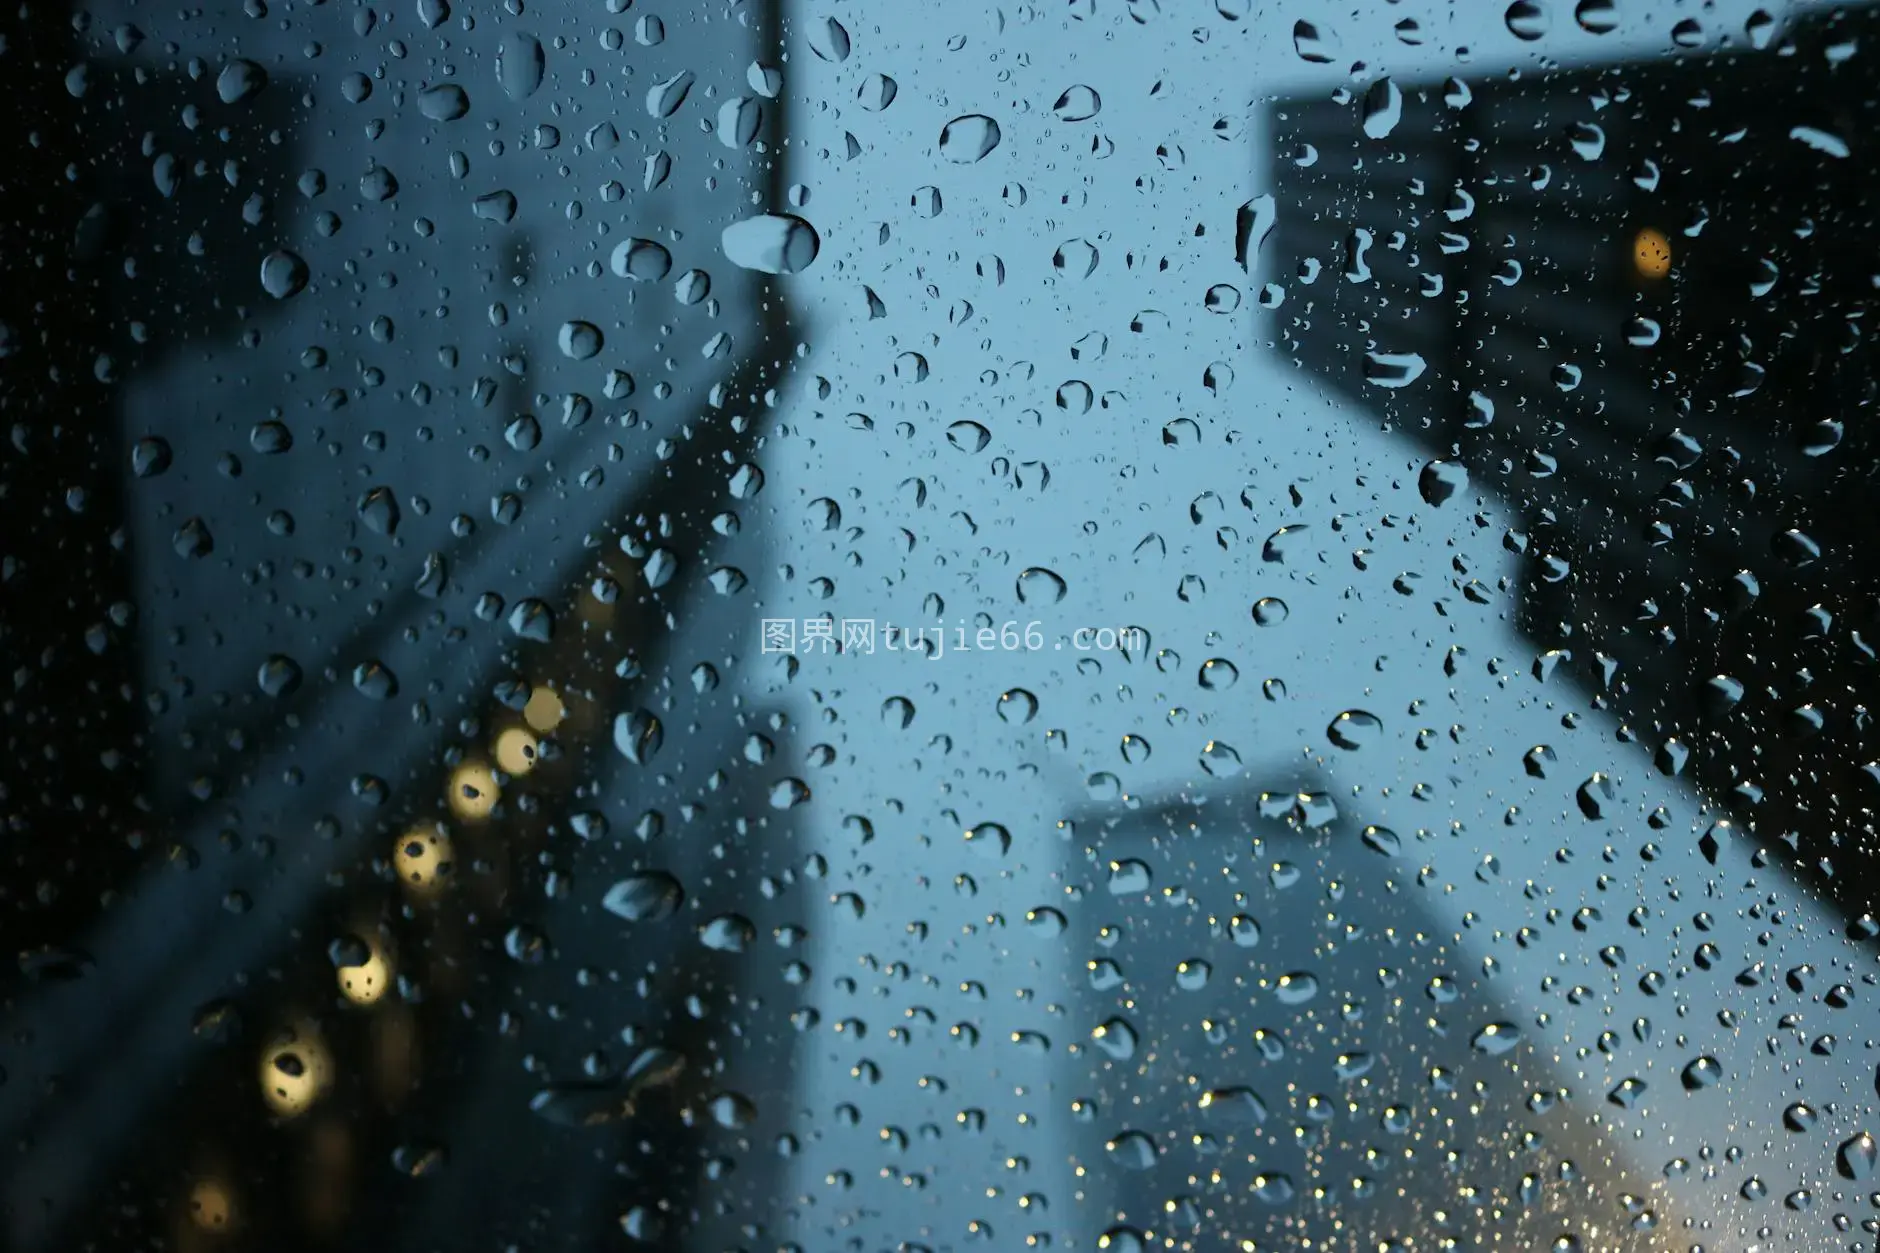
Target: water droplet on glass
{"x": 1270, "y": 611}
{"x": 150, "y": 456}
{"x": 638, "y": 736}
{"x": 1017, "y": 706}
{"x": 1526, "y": 20}
{"x": 1383, "y": 109}
{"x": 1496, "y": 1039}
{"x": 283, "y": 274}
{"x": 1296, "y": 988}
{"x": 375, "y": 680}
{"x": 279, "y": 675}
{"x": 1856, "y": 1157}
{"x": 1393, "y": 369}
{"x": 580, "y": 341}
{"x": 650, "y": 896}
{"x": 444, "y": 103}
{"x": 1218, "y": 674}
{"x": 664, "y": 98}
{"x": 1220, "y": 760}
{"x": 240, "y": 81}
{"x": 829, "y": 39}
{"x": 1439, "y": 481}
{"x": 739, "y": 121}
{"x": 968, "y": 138}
{"x": 378, "y": 509}
{"x": 1039, "y": 586}
{"x": 1132, "y": 1150}
{"x": 1078, "y": 104}
{"x": 968, "y": 436}
{"x": 1313, "y": 43}
{"x": 1597, "y": 17}
{"x": 520, "y": 65}
{"x": 771, "y": 243}
{"x": 728, "y": 933}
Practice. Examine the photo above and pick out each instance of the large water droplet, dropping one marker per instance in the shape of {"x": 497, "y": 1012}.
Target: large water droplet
{"x": 650, "y": 896}
{"x": 520, "y": 65}
{"x": 968, "y": 138}
{"x": 1526, "y": 20}
{"x": 771, "y": 243}
{"x": 444, "y": 103}
{"x": 283, "y": 274}
{"x": 1039, "y": 586}
{"x": 240, "y": 81}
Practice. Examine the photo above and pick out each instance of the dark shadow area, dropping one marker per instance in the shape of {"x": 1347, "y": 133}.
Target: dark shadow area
{"x": 358, "y": 1010}
{"x": 1641, "y": 298}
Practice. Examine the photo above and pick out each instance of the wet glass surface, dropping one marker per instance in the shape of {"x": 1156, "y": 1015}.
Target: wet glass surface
{"x": 1106, "y": 625}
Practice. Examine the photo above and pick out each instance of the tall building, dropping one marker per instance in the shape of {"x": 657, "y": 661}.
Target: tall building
{"x": 1632, "y": 300}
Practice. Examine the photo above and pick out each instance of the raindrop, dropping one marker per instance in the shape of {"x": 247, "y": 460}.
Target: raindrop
{"x": 378, "y": 509}
{"x": 1218, "y": 674}
{"x": 1017, "y": 706}
{"x": 1132, "y": 1150}
{"x": 1440, "y": 480}
{"x": 150, "y": 456}
{"x": 650, "y": 896}
{"x": 1296, "y": 988}
{"x": 283, "y": 274}
{"x": 1702, "y": 1073}
{"x": 728, "y": 933}
{"x": 638, "y": 736}
{"x": 279, "y": 676}
{"x": 1220, "y": 760}
{"x": 739, "y": 120}
{"x": 968, "y": 436}
{"x": 520, "y": 64}
{"x": 643, "y": 259}
{"x": 771, "y": 243}
{"x": 1078, "y": 104}
{"x": 1393, "y": 369}
{"x": 1039, "y": 586}
{"x": 829, "y": 39}
{"x": 375, "y": 680}
{"x": 1856, "y": 1157}
{"x": 444, "y": 103}
{"x": 664, "y": 98}
{"x": 1496, "y": 1038}
{"x": 580, "y": 341}
{"x": 1270, "y": 611}
{"x": 1526, "y": 20}
{"x": 240, "y": 81}
{"x": 968, "y": 138}
{"x": 1597, "y": 17}
{"x": 1313, "y": 43}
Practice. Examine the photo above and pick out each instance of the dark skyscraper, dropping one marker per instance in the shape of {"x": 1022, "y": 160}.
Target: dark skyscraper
{"x": 1635, "y": 301}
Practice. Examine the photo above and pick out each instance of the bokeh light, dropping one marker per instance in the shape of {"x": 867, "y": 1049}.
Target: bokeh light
{"x": 295, "y": 1070}
{"x": 473, "y": 792}
{"x": 515, "y": 751}
{"x": 423, "y": 858}
{"x": 1651, "y": 253}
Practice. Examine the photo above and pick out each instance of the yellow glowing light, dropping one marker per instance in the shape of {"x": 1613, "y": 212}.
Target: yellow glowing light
{"x": 473, "y": 792}
{"x": 1651, "y": 253}
{"x": 295, "y": 1070}
{"x": 515, "y": 751}
{"x": 423, "y": 858}
{"x": 365, "y": 984}
{"x": 544, "y": 711}
{"x": 211, "y": 1205}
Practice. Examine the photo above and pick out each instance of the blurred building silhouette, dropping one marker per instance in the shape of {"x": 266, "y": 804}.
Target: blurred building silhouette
{"x": 296, "y": 966}
{"x": 1638, "y": 296}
